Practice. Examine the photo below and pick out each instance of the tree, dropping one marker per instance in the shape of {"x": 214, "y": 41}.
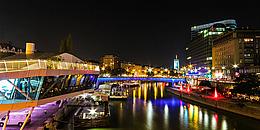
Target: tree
{"x": 106, "y": 71}
{"x": 150, "y": 74}
{"x": 66, "y": 44}
{"x": 118, "y": 72}
{"x": 173, "y": 73}
{"x": 246, "y": 84}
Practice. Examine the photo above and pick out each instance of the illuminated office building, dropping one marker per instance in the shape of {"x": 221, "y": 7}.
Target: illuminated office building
{"x": 236, "y": 51}
{"x": 110, "y": 61}
{"x": 199, "y": 49}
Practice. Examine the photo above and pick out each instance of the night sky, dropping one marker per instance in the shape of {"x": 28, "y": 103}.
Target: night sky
{"x": 144, "y": 32}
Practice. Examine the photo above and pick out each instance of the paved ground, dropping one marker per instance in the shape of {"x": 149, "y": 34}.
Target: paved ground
{"x": 38, "y": 116}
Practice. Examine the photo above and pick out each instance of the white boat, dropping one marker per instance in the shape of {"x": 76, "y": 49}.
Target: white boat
{"x": 118, "y": 92}
{"x": 104, "y": 88}
{"x": 131, "y": 84}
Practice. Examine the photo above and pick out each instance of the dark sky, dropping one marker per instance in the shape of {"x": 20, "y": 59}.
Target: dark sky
{"x": 144, "y": 32}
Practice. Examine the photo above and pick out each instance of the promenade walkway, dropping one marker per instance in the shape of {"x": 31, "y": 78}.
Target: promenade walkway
{"x": 38, "y": 116}
{"x": 247, "y": 109}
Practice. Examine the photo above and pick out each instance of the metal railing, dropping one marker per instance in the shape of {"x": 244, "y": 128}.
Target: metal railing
{"x": 23, "y": 65}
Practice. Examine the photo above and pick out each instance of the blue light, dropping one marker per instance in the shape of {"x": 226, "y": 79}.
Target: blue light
{"x": 174, "y": 80}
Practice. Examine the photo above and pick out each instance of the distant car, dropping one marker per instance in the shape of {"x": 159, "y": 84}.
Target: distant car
{"x": 14, "y": 119}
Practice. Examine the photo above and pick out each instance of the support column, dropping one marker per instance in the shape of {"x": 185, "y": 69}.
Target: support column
{"x": 39, "y": 88}
{"x": 3, "y": 95}
{"x": 24, "y": 94}
{"x": 6, "y": 120}
{"x": 27, "y": 117}
{"x": 61, "y": 103}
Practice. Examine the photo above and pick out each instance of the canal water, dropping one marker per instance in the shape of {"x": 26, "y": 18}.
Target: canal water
{"x": 150, "y": 107}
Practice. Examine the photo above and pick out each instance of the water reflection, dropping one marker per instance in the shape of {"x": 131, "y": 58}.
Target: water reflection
{"x": 224, "y": 124}
{"x": 149, "y": 115}
{"x": 162, "y": 87}
{"x": 150, "y": 107}
{"x": 155, "y": 92}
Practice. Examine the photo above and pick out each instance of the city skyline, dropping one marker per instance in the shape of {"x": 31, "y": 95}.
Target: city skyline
{"x": 145, "y": 33}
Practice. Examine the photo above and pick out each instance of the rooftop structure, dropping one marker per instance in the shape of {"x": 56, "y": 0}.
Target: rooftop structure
{"x": 229, "y": 24}
{"x": 39, "y": 78}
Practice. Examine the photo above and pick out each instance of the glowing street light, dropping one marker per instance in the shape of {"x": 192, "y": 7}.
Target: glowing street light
{"x": 150, "y": 70}
{"x": 92, "y": 111}
{"x": 223, "y": 67}
{"x": 235, "y": 66}
{"x": 188, "y": 89}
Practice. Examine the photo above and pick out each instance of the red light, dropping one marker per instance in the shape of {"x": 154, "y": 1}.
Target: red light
{"x": 188, "y": 88}
{"x": 216, "y": 93}
{"x": 216, "y": 116}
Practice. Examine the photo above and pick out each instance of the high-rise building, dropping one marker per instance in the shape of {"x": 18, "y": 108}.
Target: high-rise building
{"x": 236, "y": 51}
{"x": 199, "y": 49}
{"x": 176, "y": 63}
{"x": 230, "y": 24}
{"x": 110, "y": 61}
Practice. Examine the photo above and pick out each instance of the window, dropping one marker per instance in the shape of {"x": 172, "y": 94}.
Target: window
{"x": 248, "y": 39}
{"x": 3, "y": 118}
{"x": 247, "y": 55}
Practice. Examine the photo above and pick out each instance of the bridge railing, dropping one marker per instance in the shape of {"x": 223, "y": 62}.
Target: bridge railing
{"x": 22, "y": 65}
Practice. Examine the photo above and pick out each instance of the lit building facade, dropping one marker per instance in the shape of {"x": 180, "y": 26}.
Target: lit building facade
{"x": 134, "y": 69}
{"x": 199, "y": 49}
{"x": 110, "y": 61}
{"x": 236, "y": 52}
{"x": 7, "y": 49}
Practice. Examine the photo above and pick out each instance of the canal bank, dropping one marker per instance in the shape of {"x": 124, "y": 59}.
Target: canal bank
{"x": 221, "y": 104}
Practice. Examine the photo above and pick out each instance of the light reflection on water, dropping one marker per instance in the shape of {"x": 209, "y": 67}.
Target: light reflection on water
{"x": 145, "y": 109}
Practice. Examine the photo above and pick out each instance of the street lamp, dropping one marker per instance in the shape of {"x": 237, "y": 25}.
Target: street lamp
{"x": 150, "y": 70}
{"x": 235, "y": 66}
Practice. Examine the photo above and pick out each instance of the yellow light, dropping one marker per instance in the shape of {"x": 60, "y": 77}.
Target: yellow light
{"x": 161, "y": 91}
{"x": 139, "y": 92}
{"x": 235, "y": 66}
{"x": 155, "y": 92}
{"x": 145, "y": 93}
